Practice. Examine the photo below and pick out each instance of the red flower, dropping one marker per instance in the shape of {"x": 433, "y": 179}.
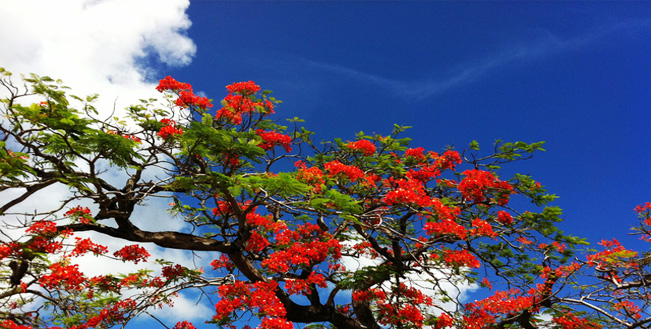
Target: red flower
{"x": 482, "y": 228}
{"x": 335, "y": 168}
{"x": 275, "y": 323}
{"x": 272, "y": 138}
{"x": 445, "y": 227}
{"x": 243, "y": 88}
{"x": 64, "y": 275}
{"x": 170, "y": 84}
{"x": 83, "y": 246}
{"x": 363, "y": 145}
{"x": 443, "y": 321}
{"x": 184, "y": 325}
{"x": 42, "y": 228}
{"x": 449, "y": 160}
{"x": 504, "y": 217}
{"x": 172, "y": 272}
{"x": 134, "y": 253}
{"x": 188, "y": 98}
{"x": 169, "y": 129}
{"x": 478, "y": 182}
{"x": 222, "y": 262}
{"x": 461, "y": 258}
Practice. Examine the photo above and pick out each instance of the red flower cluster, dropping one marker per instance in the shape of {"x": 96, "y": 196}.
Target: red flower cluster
{"x": 448, "y": 160}
{"x": 134, "y": 253}
{"x": 82, "y": 214}
{"x": 171, "y": 84}
{"x": 615, "y": 255}
{"x": 275, "y": 323}
{"x": 483, "y": 313}
{"x": 477, "y": 183}
{"x": 306, "y": 245}
{"x": 169, "y": 129}
{"x": 82, "y": 246}
{"x": 628, "y": 308}
{"x": 256, "y": 242}
{"x": 570, "y": 321}
{"x": 64, "y": 275}
{"x": 311, "y": 176}
{"x": 8, "y": 249}
{"x": 129, "y": 137}
{"x": 300, "y": 286}
{"x": 184, "y": 325}
{"x": 482, "y": 228}
{"x": 273, "y": 138}
{"x": 184, "y": 90}
{"x": 222, "y": 262}
{"x": 336, "y": 169}
{"x": 172, "y": 272}
{"x": 42, "y": 244}
{"x": 460, "y": 258}
{"x": 246, "y": 296}
{"x": 416, "y": 154}
{"x": 241, "y": 101}
{"x": 42, "y": 228}
{"x": 407, "y": 191}
{"x": 363, "y": 145}
{"x": 504, "y": 217}
{"x": 445, "y": 227}
{"x": 243, "y": 88}
{"x": 444, "y": 321}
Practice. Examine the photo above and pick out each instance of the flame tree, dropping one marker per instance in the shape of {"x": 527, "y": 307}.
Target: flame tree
{"x": 362, "y": 234}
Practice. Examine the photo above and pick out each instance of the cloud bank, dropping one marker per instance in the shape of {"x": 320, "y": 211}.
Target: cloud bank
{"x": 96, "y": 46}
{"x": 109, "y": 47}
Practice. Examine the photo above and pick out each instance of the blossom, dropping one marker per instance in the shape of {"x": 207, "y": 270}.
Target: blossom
{"x": 336, "y": 168}
{"x": 408, "y": 191}
{"x": 504, "y": 217}
{"x": 273, "y": 138}
{"x": 460, "y": 258}
{"x": 134, "y": 253}
{"x": 363, "y": 145}
{"x": 42, "y": 228}
{"x": 222, "y": 262}
{"x": 478, "y": 182}
{"x": 235, "y": 106}
{"x": 169, "y": 129}
{"x": 169, "y": 83}
{"x": 445, "y": 227}
{"x": 570, "y": 321}
{"x": 275, "y": 323}
{"x": 443, "y": 321}
{"x": 64, "y": 275}
{"x": 243, "y": 88}
{"x": 83, "y": 246}
{"x": 416, "y": 154}
{"x": 482, "y": 228}
{"x": 449, "y": 160}
{"x": 184, "y": 325}
{"x": 187, "y": 98}
{"x": 82, "y": 214}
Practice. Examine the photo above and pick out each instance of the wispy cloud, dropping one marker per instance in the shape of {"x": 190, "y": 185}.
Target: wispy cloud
{"x": 542, "y": 44}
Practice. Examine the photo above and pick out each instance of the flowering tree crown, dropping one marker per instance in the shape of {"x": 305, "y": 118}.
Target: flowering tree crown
{"x": 364, "y": 233}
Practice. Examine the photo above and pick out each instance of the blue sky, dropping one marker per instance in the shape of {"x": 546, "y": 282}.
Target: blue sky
{"x": 576, "y": 75}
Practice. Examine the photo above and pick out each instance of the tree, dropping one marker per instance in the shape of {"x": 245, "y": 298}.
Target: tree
{"x": 287, "y": 218}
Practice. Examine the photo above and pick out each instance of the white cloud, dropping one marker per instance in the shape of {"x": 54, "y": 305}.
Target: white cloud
{"x": 539, "y": 44}
{"x": 95, "y": 46}
{"x": 104, "y": 47}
